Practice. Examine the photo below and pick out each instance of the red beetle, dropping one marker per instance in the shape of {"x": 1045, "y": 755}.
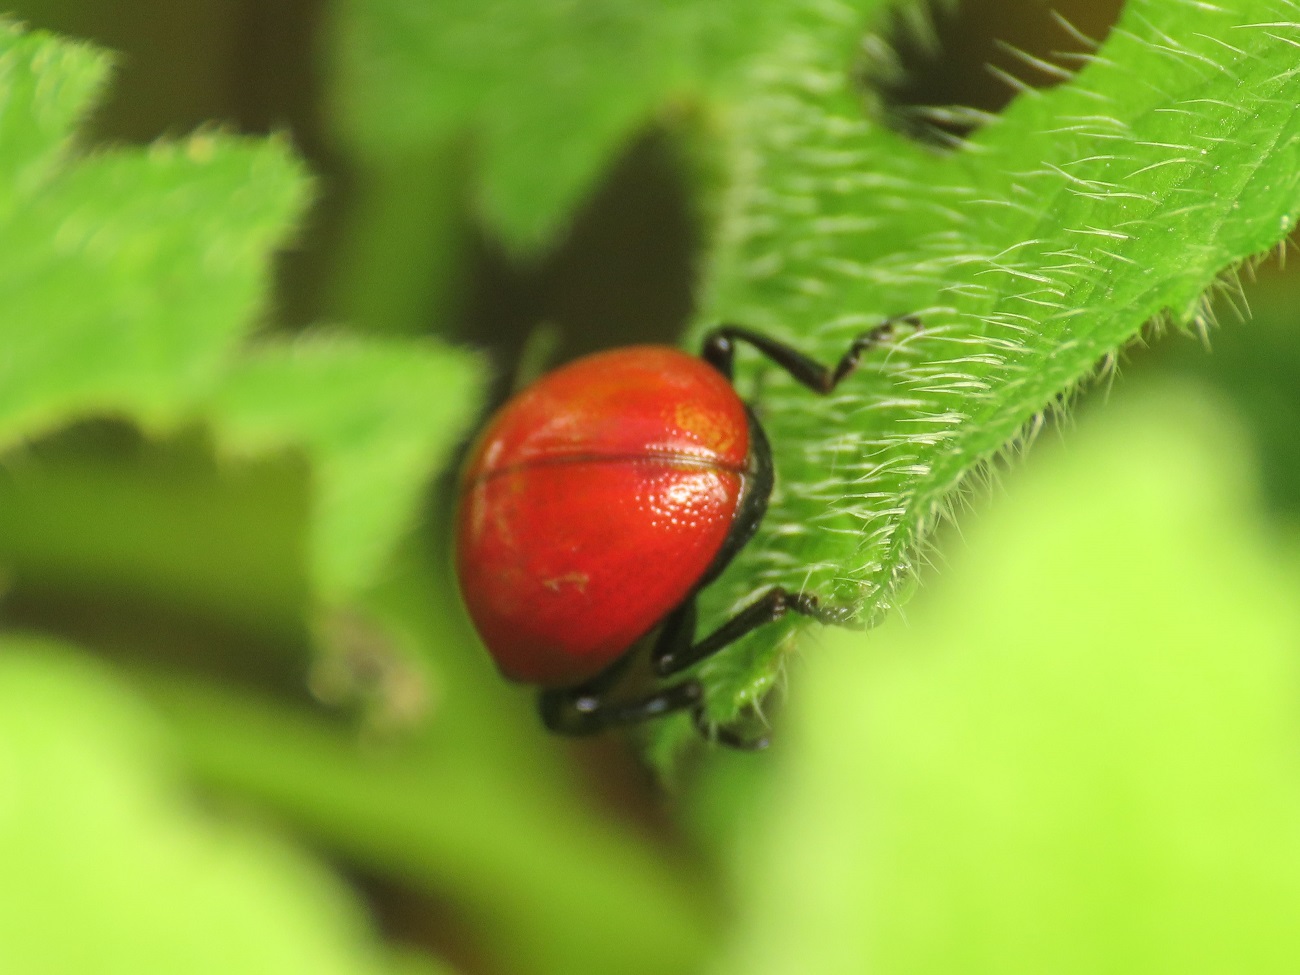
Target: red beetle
{"x": 600, "y": 500}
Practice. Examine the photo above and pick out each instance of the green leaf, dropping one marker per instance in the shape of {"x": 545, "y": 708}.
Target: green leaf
{"x": 375, "y": 418}
{"x": 1255, "y": 367}
{"x": 127, "y": 277}
{"x": 1078, "y": 756}
{"x": 46, "y": 89}
{"x": 130, "y": 279}
{"x": 549, "y": 90}
{"x": 548, "y": 884}
{"x": 170, "y": 524}
{"x": 1031, "y": 254}
{"x": 476, "y": 806}
{"x": 110, "y": 867}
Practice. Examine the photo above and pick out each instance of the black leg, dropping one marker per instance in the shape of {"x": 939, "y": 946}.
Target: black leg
{"x": 767, "y": 608}
{"x": 771, "y": 606}
{"x": 677, "y": 633}
{"x": 720, "y": 352}
{"x": 580, "y": 711}
{"x": 577, "y": 710}
{"x": 675, "y": 640}
{"x": 584, "y": 710}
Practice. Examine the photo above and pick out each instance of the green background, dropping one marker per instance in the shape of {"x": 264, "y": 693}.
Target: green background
{"x": 243, "y": 723}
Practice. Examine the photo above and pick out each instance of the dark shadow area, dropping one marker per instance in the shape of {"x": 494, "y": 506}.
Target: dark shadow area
{"x": 935, "y": 70}
{"x": 623, "y": 275}
{"x": 160, "y": 554}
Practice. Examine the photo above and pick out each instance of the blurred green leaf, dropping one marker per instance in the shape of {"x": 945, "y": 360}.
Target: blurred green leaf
{"x": 1031, "y": 255}
{"x": 130, "y": 279}
{"x": 476, "y": 805}
{"x": 169, "y": 524}
{"x": 1079, "y": 756}
{"x": 398, "y": 263}
{"x": 47, "y": 88}
{"x": 127, "y": 277}
{"x": 415, "y": 963}
{"x": 549, "y": 91}
{"x": 109, "y": 867}
{"x": 375, "y": 418}
{"x": 1255, "y": 364}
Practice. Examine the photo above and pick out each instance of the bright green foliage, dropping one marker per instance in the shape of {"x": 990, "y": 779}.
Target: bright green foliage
{"x": 45, "y": 92}
{"x": 128, "y": 277}
{"x": 1255, "y": 368}
{"x": 1031, "y": 255}
{"x": 108, "y": 866}
{"x": 548, "y": 91}
{"x": 130, "y": 280}
{"x": 474, "y": 802}
{"x": 460, "y": 796}
{"x": 374, "y": 417}
{"x": 1067, "y": 761}
{"x": 177, "y": 527}
{"x": 1073, "y": 753}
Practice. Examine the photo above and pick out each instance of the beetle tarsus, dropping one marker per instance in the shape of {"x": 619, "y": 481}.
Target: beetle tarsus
{"x": 579, "y": 712}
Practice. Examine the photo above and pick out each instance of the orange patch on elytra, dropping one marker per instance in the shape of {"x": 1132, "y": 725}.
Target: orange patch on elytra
{"x": 705, "y": 426}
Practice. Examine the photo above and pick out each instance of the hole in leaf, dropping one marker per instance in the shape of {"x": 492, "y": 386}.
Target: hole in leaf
{"x": 938, "y": 69}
